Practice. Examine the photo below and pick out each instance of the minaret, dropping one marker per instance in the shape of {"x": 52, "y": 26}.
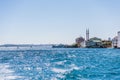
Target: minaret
{"x": 87, "y": 34}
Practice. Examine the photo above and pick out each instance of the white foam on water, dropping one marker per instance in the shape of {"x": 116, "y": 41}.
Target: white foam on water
{"x": 54, "y": 78}
{"x": 60, "y": 62}
{"x": 9, "y": 77}
{"x": 47, "y": 64}
{"x": 72, "y": 56}
{"x": 27, "y": 68}
{"x": 39, "y": 69}
{"x": 73, "y": 66}
{"x": 60, "y": 76}
{"x": 58, "y": 70}
{"x": 6, "y": 73}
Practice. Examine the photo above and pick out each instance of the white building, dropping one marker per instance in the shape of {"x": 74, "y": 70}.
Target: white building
{"x": 115, "y": 42}
{"x": 118, "y": 45}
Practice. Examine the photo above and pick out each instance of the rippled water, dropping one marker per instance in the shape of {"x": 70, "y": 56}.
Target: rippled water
{"x": 60, "y": 64}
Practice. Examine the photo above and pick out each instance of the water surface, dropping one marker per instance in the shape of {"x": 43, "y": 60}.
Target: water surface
{"x": 60, "y": 64}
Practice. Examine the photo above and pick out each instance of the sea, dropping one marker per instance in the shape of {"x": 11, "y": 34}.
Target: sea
{"x": 60, "y": 64}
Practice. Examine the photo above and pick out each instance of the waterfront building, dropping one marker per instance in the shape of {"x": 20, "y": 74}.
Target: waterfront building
{"x": 80, "y": 41}
{"x": 107, "y": 43}
{"x": 118, "y": 45}
{"x": 94, "y": 43}
{"x": 115, "y": 42}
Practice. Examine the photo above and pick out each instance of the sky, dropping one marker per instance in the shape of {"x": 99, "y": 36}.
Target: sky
{"x": 57, "y": 21}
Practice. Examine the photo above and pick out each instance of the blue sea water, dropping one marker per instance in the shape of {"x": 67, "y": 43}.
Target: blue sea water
{"x": 60, "y": 64}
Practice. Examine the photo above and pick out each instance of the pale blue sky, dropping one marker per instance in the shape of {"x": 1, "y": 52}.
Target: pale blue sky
{"x": 57, "y": 21}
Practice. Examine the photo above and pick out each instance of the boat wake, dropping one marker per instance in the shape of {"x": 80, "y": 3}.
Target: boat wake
{"x": 6, "y": 73}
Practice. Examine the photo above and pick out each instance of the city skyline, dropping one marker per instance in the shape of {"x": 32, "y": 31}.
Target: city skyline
{"x": 51, "y": 22}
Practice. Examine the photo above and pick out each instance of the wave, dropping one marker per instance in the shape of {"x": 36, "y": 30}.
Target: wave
{"x": 6, "y": 73}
